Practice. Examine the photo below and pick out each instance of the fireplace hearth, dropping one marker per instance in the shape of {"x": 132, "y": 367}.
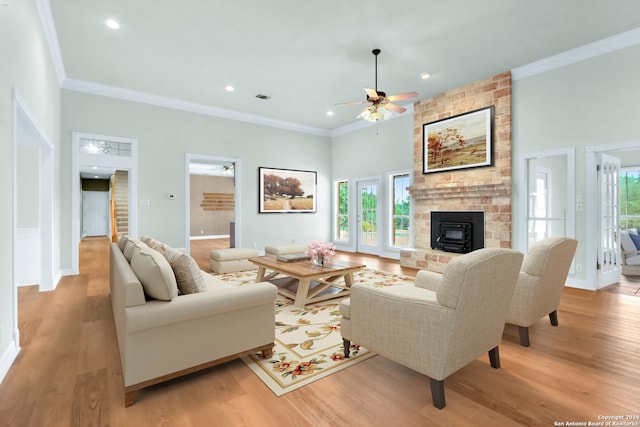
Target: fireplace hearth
{"x": 457, "y": 231}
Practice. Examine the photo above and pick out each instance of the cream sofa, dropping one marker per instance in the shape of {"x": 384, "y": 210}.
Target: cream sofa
{"x": 163, "y": 335}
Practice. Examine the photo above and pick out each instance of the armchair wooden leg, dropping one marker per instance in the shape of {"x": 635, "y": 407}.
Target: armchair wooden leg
{"x": 347, "y": 345}
{"x": 553, "y": 317}
{"x": 437, "y": 393}
{"x": 524, "y": 336}
{"x": 494, "y": 357}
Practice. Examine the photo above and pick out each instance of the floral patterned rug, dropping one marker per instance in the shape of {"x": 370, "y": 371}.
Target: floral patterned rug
{"x": 308, "y": 343}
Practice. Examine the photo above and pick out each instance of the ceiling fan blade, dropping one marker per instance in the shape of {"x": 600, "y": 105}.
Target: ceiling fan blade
{"x": 372, "y": 94}
{"x": 394, "y": 107}
{"x": 348, "y": 103}
{"x": 400, "y": 96}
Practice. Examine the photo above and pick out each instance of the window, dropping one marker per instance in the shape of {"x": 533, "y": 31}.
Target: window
{"x": 400, "y": 210}
{"x": 630, "y": 197}
{"x": 342, "y": 211}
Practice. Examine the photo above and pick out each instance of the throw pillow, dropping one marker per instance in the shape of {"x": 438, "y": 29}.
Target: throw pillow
{"x": 188, "y": 274}
{"x": 636, "y": 240}
{"x": 155, "y": 273}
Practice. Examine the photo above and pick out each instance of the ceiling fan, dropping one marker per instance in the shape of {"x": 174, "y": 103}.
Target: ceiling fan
{"x": 380, "y": 104}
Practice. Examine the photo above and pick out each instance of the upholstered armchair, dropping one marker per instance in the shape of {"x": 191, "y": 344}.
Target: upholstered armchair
{"x": 443, "y": 322}
{"x": 540, "y": 284}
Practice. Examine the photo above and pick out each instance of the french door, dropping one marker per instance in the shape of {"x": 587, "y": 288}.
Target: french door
{"x": 609, "y": 268}
{"x": 367, "y": 217}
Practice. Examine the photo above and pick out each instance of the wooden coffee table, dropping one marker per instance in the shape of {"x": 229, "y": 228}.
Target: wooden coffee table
{"x": 306, "y": 283}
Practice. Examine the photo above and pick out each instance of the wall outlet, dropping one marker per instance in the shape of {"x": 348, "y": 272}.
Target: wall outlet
{"x": 578, "y": 268}
{"x": 201, "y": 232}
{"x": 253, "y": 245}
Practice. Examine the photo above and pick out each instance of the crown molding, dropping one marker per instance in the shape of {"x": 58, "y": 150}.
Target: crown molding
{"x": 587, "y": 51}
{"x": 51, "y": 35}
{"x": 192, "y": 107}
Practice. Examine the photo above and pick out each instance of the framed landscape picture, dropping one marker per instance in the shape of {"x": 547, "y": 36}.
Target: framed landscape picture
{"x": 286, "y": 190}
{"x": 459, "y": 142}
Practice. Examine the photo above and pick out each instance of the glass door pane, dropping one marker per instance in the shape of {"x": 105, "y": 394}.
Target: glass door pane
{"x": 368, "y": 240}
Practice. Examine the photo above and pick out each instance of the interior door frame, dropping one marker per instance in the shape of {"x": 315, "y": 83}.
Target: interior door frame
{"x": 189, "y": 157}
{"x": 591, "y": 201}
{"x": 523, "y": 200}
{"x": 26, "y": 130}
{"x": 78, "y": 160}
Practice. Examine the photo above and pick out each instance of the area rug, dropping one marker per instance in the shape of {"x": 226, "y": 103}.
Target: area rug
{"x": 308, "y": 343}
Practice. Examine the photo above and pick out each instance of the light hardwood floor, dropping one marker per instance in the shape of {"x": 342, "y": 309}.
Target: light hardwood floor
{"x": 68, "y": 372}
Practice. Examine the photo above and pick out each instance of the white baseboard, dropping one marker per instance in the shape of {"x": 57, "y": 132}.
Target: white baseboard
{"x": 7, "y": 359}
{"x": 579, "y": 283}
{"x": 222, "y": 236}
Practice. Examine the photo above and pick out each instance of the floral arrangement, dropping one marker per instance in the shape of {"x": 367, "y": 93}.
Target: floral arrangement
{"x": 320, "y": 251}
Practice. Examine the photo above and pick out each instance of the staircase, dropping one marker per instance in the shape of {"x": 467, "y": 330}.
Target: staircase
{"x": 121, "y": 197}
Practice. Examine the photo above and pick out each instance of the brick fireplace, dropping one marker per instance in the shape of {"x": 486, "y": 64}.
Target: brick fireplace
{"x": 486, "y": 189}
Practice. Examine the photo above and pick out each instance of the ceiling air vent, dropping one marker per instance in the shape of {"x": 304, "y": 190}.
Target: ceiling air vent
{"x": 264, "y": 97}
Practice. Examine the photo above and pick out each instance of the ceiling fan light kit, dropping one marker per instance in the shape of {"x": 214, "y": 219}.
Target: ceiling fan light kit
{"x": 381, "y": 105}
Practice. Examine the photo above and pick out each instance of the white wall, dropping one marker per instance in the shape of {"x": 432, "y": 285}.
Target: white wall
{"x": 27, "y": 70}
{"x": 165, "y": 136}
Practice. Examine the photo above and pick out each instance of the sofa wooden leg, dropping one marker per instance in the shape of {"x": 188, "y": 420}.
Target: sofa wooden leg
{"x": 437, "y": 393}
{"x": 267, "y": 353}
{"x": 129, "y": 398}
{"x": 524, "y": 336}
{"x": 347, "y": 345}
{"x": 494, "y": 357}
{"x": 553, "y": 317}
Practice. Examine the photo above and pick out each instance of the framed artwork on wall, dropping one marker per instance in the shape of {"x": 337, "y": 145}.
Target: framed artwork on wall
{"x": 286, "y": 190}
{"x": 458, "y": 142}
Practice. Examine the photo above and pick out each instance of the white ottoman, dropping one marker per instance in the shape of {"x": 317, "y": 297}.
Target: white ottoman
{"x": 287, "y": 249}
{"x": 232, "y": 260}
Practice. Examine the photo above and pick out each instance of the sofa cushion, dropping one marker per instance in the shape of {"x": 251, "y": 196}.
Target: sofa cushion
{"x": 130, "y": 244}
{"x": 155, "y": 273}
{"x": 188, "y": 275}
{"x": 122, "y": 243}
{"x": 626, "y": 242}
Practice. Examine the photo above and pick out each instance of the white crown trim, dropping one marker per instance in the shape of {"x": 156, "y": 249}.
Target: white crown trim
{"x": 161, "y": 101}
{"x": 600, "y": 47}
{"x": 51, "y": 35}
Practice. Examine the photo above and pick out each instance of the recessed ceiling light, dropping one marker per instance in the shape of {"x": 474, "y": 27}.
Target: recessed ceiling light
{"x": 112, "y": 23}
{"x": 329, "y": 113}
{"x": 425, "y": 76}
{"x": 229, "y": 88}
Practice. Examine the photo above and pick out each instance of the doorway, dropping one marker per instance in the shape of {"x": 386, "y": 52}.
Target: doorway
{"x": 367, "y": 216}
{"x": 213, "y": 203}
{"x": 101, "y": 155}
{"x": 598, "y": 244}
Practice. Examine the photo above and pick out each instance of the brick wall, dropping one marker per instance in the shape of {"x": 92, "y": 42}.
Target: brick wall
{"x": 485, "y": 189}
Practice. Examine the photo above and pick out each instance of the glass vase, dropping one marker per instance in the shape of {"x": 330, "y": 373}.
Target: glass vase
{"x": 318, "y": 259}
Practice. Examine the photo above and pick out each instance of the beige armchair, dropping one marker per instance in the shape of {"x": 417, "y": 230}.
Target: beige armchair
{"x": 539, "y": 288}
{"x": 443, "y": 322}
